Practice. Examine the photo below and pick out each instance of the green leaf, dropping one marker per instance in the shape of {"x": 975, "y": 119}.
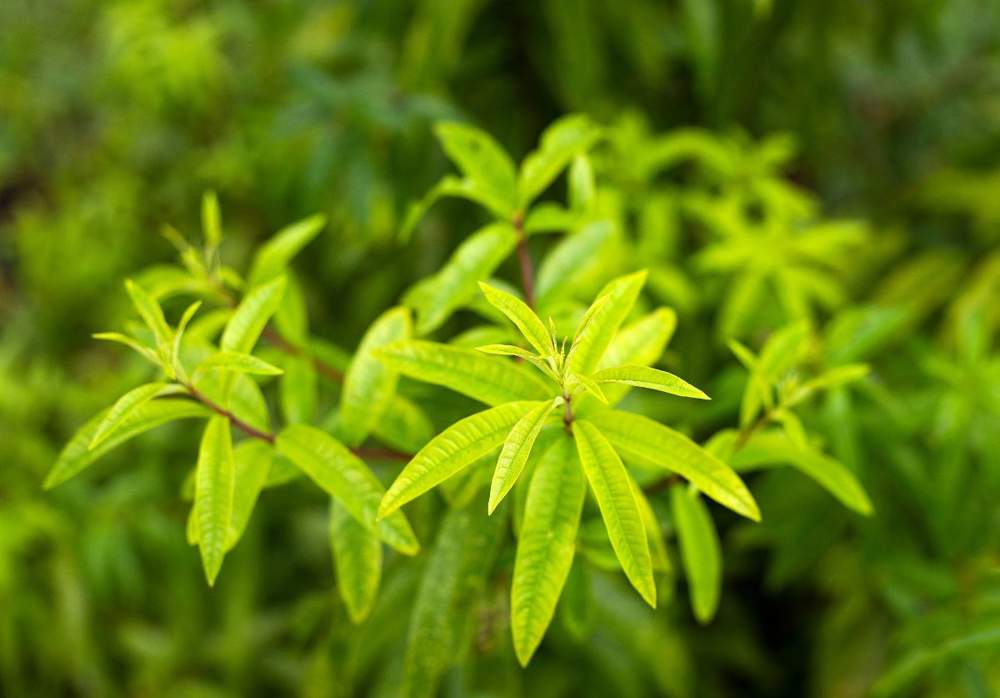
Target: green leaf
{"x": 252, "y": 314}
{"x": 179, "y": 336}
{"x": 211, "y": 220}
{"x": 516, "y": 449}
{"x": 507, "y": 350}
{"x": 700, "y": 551}
{"x": 575, "y": 252}
{"x": 481, "y": 160}
{"x": 253, "y": 466}
{"x": 601, "y": 322}
{"x": 582, "y": 189}
{"x": 467, "y": 371}
{"x": 458, "y": 568}
{"x": 450, "y": 186}
{"x": 342, "y": 475}
{"x": 404, "y": 426}
{"x": 546, "y": 544}
{"x": 549, "y": 217}
{"x": 132, "y": 343}
{"x": 369, "y": 385}
{"x": 77, "y": 454}
{"x": 151, "y": 313}
{"x": 239, "y": 362}
{"x": 215, "y": 484}
{"x": 451, "y": 451}
{"x": 774, "y": 447}
{"x": 274, "y": 255}
{"x": 613, "y": 490}
{"x": 591, "y": 387}
{"x": 357, "y": 558}
{"x": 298, "y": 394}
{"x": 642, "y": 342}
{"x": 523, "y": 317}
{"x": 650, "y": 444}
{"x": 783, "y": 350}
{"x": 120, "y": 411}
{"x": 649, "y": 378}
{"x": 438, "y": 296}
{"x": 560, "y": 143}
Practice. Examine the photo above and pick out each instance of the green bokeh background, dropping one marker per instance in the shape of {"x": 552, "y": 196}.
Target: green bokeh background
{"x": 116, "y": 116}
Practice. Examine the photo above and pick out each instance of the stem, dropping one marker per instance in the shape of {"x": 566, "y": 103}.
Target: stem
{"x": 233, "y": 419}
{"x": 568, "y": 412}
{"x": 282, "y": 344}
{"x": 524, "y": 260}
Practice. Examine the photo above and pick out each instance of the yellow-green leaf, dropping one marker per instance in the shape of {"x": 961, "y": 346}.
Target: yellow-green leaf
{"x": 651, "y": 379}
{"x": 239, "y": 362}
{"x": 523, "y": 317}
{"x": 125, "y": 406}
{"x": 369, "y": 384}
{"x": 215, "y": 483}
{"x": 649, "y": 444}
{"x": 451, "y": 451}
{"x": 274, "y": 255}
{"x": 610, "y": 483}
{"x": 546, "y": 544}
{"x": 700, "y": 551}
{"x": 516, "y": 449}
{"x": 357, "y": 559}
{"x": 342, "y": 475}
{"x": 602, "y": 320}
{"x": 252, "y": 314}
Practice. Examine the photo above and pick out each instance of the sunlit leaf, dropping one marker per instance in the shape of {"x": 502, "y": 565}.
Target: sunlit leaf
{"x": 357, "y": 559}
{"x": 523, "y": 317}
{"x": 602, "y": 321}
{"x": 215, "y": 483}
{"x": 239, "y": 362}
{"x": 559, "y": 144}
{"x": 274, "y": 255}
{"x": 516, "y": 449}
{"x": 123, "y": 408}
{"x": 610, "y": 483}
{"x": 546, "y": 544}
{"x": 250, "y": 317}
{"x": 649, "y": 378}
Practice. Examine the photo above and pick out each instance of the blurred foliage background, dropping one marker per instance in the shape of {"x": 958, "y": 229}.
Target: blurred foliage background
{"x": 116, "y": 116}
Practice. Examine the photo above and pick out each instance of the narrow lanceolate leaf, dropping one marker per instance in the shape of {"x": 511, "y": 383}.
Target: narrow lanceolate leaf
{"x": 602, "y": 321}
{"x": 647, "y": 443}
{"x": 215, "y": 483}
{"x": 516, "y": 449}
{"x": 560, "y": 143}
{"x": 299, "y": 391}
{"x": 467, "y": 371}
{"x": 699, "y": 551}
{"x": 523, "y": 317}
{"x": 369, "y": 384}
{"x": 481, "y": 160}
{"x": 341, "y": 474}
{"x": 132, "y": 344}
{"x": 276, "y": 253}
{"x": 609, "y": 481}
{"x": 357, "y": 559}
{"x": 253, "y": 465}
{"x": 239, "y": 362}
{"x": 451, "y": 451}
{"x": 125, "y": 406}
{"x": 651, "y": 379}
{"x": 458, "y": 567}
{"x": 252, "y": 314}
{"x": 437, "y": 297}
{"x": 773, "y": 447}
{"x": 546, "y": 544}
{"x": 404, "y": 426}
{"x": 150, "y": 312}
{"x": 77, "y": 454}
{"x": 179, "y": 336}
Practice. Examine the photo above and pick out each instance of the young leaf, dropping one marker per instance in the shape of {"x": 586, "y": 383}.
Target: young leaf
{"x": 591, "y": 387}
{"x": 252, "y": 314}
{"x": 602, "y": 321}
{"x": 357, "y": 559}
{"x": 649, "y": 378}
{"x": 215, "y": 482}
{"x": 368, "y": 384}
{"x": 77, "y": 454}
{"x": 523, "y": 317}
{"x": 125, "y": 406}
{"x": 239, "y": 362}
{"x": 652, "y": 445}
{"x": 481, "y": 160}
{"x": 610, "y": 483}
{"x": 437, "y": 297}
{"x": 516, "y": 449}
{"x": 466, "y": 371}
{"x": 345, "y": 477}
{"x": 771, "y": 447}
{"x": 642, "y": 342}
{"x": 131, "y": 343}
{"x": 151, "y": 314}
{"x": 560, "y": 143}
{"x": 700, "y": 551}
{"x": 546, "y": 544}
{"x": 507, "y": 350}
{"x": 272, "y": 258}
{"x": 451, "y": 451}
{"x": 178, "y": 337}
